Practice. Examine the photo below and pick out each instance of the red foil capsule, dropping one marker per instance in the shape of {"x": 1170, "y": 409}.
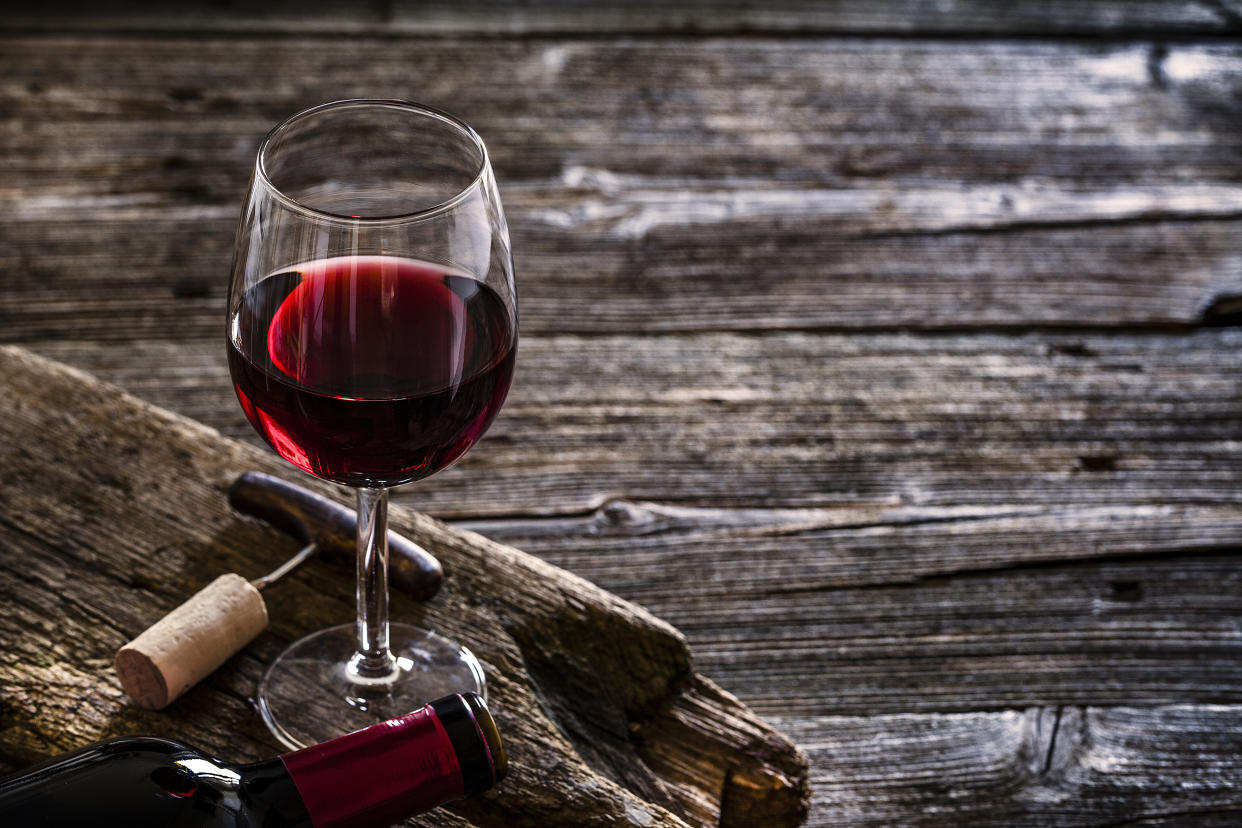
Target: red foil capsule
{"x": 385, "y": 773}
{"x": 368, "y": 779}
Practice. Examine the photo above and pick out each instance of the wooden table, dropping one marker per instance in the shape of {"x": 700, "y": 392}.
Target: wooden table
{"x": 890, "y": 351}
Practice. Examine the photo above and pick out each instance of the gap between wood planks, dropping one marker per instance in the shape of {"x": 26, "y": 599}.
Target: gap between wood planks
{"x": 1095, "y": 21}
{"x": 1020, "y": 225}
{"x": 1124, "y": 588}
{"x": 820, "y": 521}
{"x": 1114, "y": 37}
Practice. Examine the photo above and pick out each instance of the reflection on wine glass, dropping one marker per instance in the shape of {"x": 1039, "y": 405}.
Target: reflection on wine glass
{"x": 372, "y": 330}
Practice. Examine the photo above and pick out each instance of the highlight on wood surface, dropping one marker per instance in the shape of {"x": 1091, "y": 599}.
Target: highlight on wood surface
{"x": 605, "y": 720}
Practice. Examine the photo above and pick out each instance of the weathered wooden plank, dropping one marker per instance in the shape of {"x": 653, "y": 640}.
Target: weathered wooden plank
{"x": 1125, "y": 632}
{"x": 1126, "y": 600}
{"x": 798, "y": 113}
{"x": 112, "y": 511}
{"x": 865, "y": 610}
{"x": 1172, "y": 765}
{"x": 917, "y": 520}
{"x": 944, "y": 522}
{"x": 978, "y": 17}
{"x": 861, "y": 423}
{"x": 108, "y": 282}
{"x": 662, "y": 185}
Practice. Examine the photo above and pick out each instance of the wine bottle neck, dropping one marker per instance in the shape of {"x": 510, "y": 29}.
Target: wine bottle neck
{"x": 380, "y": 775}
{"x": 267, "y": 786}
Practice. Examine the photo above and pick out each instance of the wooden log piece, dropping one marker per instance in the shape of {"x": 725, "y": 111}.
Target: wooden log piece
{"x": 112, "y": 510}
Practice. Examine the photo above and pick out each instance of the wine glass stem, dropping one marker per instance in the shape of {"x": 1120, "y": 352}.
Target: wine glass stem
{"x": 373, "y": 659}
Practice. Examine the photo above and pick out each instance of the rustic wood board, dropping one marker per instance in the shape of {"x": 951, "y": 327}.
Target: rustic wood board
{"x": 748, "y": 184}
{"x": 113, "y": 511}
{"x": 959, "y": 503}
{"x": 898, "y": 605}
{"x": 1175, "y": 765}
{"x": 994, "y": 256}
{"x": 854, "y": 425}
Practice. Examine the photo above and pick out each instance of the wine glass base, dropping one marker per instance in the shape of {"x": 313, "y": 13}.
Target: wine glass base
{"x": 309, "y": 695}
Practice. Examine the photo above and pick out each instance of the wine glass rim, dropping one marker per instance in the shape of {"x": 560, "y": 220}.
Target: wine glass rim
{"x": 391, "y": 103}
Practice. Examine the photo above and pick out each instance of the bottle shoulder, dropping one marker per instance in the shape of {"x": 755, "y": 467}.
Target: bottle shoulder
{"x": 140, "y": 780}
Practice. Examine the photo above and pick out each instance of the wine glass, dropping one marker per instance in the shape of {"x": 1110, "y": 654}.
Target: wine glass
{"x": 372, "y": 329}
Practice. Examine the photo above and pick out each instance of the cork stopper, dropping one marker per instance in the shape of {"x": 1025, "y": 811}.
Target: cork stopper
{"x": 191, "y": 641}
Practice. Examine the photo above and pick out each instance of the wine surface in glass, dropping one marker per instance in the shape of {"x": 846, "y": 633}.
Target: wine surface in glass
{"x": 371, "y": 370}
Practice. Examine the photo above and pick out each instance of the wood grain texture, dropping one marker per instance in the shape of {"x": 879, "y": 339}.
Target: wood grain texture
{"x": 749, "y": 184}
{"x": 113, "y": 511}
{"x": 896, "y": 371}
{"x": 1062, "y": 766}
{"x": 860, "y": 423}
{"x": 495, "y": 17}
{"x": 907, "y": 522}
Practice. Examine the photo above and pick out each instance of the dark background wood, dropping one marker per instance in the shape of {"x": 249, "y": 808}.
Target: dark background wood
{"x": 889, "y": 350}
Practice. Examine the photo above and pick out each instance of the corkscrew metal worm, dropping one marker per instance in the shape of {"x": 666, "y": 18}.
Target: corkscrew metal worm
{"x": 194, "y": 639}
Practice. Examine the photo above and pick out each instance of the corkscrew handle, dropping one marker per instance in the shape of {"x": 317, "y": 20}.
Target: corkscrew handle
{"x": 331, "y": 527}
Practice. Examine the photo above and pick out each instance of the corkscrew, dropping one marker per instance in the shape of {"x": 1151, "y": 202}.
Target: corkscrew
{"x": 194, "y": 639}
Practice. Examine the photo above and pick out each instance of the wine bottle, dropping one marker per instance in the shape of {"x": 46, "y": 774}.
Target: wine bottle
{"x": 367, "y": 779}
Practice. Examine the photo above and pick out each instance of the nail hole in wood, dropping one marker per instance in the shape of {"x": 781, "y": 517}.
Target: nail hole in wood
{"x": 183, "y": 94}
{"x": 191, "y": 287}
{"x": 1074, "y": 349}
{"x": 1097, "y": 462}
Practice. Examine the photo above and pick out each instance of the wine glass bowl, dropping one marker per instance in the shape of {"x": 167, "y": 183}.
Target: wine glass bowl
{"x": 372, "y": 332}
{"x": 378, "y": 370}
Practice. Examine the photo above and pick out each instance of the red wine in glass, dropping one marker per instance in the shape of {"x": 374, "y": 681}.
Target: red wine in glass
{"x": 371, "y": 370}
{"x": 372, "y": 324}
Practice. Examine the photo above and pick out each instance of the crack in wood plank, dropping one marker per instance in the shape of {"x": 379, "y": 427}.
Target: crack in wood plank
{"x": 1052, "y": 741}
